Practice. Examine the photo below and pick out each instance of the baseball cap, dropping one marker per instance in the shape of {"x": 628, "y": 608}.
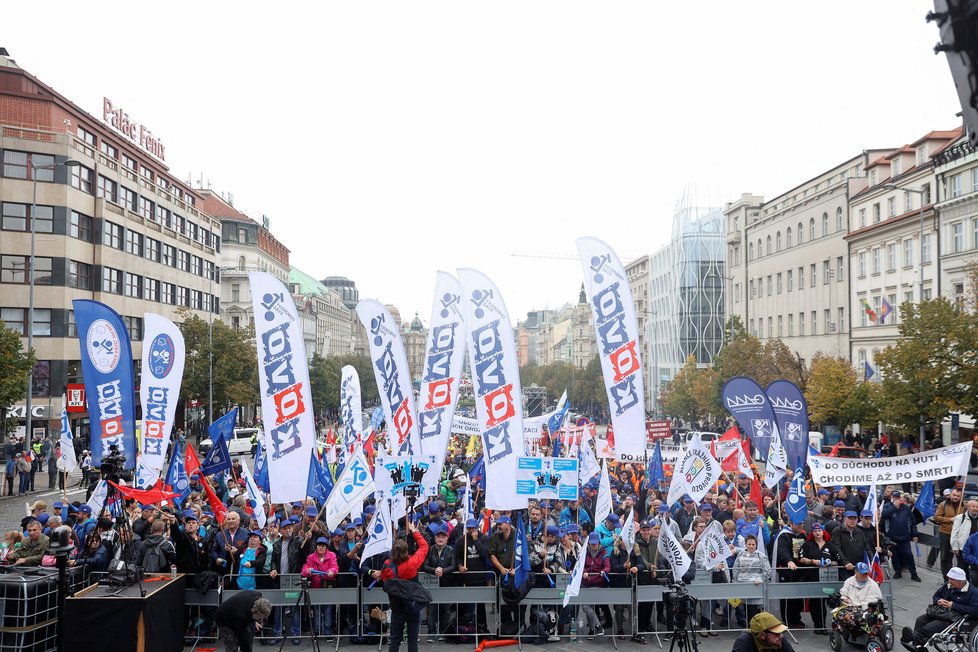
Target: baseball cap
{"x": 767, "y": 622}
{"x": 297, "y": 504}
{"x": 471, "y": 523}
{"x": 866, "y": 512}
{"x": 817, "y": 526}
{"x": 646, "y": 524}
{"x": 593, "y": 538}
{"x": 322, "y": 540}
{"x": 706, "y": 507}
{"x": 349, "y": 526}
{"x": 824, "y": 492}
{"x": 504, "y": 519}
{"x": 255, "y": 533}
{"x": 189, "y": 513}
{"x": 573, "y": 528}
{"x": 839, "y": 503}
{"x": 85, "y": 507}
{"x": 441, "y": 529}
{"x": 613, "y": 520}
{"x": 896, "y": 494}
{"x": 663, "y": 508}
{"x": 434, "y": 508}
{"x": 369, "y": 509}
{"x": 43, "y": 518}
{"x": 312, "y": 511}
{"x": 862, "y": 568}
{"x": 339, "y": 532}
{"x": 956, "y": 574}
{"x": 553, "y": 530}
{"x": 851, "y": 513}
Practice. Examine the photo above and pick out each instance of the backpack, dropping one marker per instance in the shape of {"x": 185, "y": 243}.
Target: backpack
{"x": 153, "y": 559}
{"x": 414, "y": 596}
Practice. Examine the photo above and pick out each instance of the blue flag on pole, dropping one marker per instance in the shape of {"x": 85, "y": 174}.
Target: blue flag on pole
{"x": 925, "y": 501}
{"x": 556, "y": 439}
{"x": 521, "y": 561}
{"x": 261, "y": 467}
{"x": 655, "y": 474}
{"x": 176, "y": 473}
{"x": 218, "y": 459}
{"x": 797, "y": 504}
{"x": 478, "y": 473}
{"x": 320, "y": 482}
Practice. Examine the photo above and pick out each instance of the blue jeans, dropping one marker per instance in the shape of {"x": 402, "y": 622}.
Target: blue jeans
{"x": 280, "y": 613}
{"x": 25, "y": 480}
{"x": 322, "y": 619}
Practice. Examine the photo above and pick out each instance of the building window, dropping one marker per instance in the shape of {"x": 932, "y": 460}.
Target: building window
{"x": 750, "y": 251}
{"x": 862, "y": 264}
{"x": 111, "y": 280}
{"x": 134, "y": 285}
{"x": 130, "y": 200}
{"x": 112, "y": 235}
{"x": 130, "y": 162}
{"x": 135, "y": 327}
{"x": 134, "y": 243}
{"x": 72, "y": 327}
{"x": 828, "y": 320}
{"x": 179, "y": 224}
{"x": 814, "y": 323}
{"x": 768, "y": 245}
{"x": 839, "y": 225}
{"x": 957, "y": 237}
{"x": 183, "y": 260}
{"x": 955, "y": 183}
{"x": 811, "y": 229}
{"x": 876, "y": 260}
{"x": 778, "y": 241}
{"x": 16, "y": 320}
{"x": 801, "y": 278}
{"x": 152, "y": 289}
{"x": 169, "y": 255}
{"x": 863, "y": 317}
{"x": 800, "y": 234}
{"x": 16, "y": 217}
{"x": 79, "y": 275}
{"x": 108, "y": 189}
{"x": 791, "y": 325}
{"x": 166, "y": 293}
{"x": 801, "y": 323}
{"x": 80, "y": 226}
{"x": 791, "y": 276}
{"x": 236, "y": 323}
{"x": 153, "y": 249}
{"x": 147, "y": 209}
{"x": 196, "y": 266}
{"x": 770, "y": 285}
{"x": 13, "y": 269}
{"x": 840, "y": 269}
{"x": 770, "y": 327}
{"x": 862, "y": 217}
{"x": 780, "y": 326}
{"x": 907, "y": 202}
{"x": 876, "y": 213}
{"x": 974, "y": 232}
{"x": 891, "y": 299}
{"x": 826, "y": 272}
{"x": 235, "y": 292}
{"x": 908, "y": 252}
{"x": 145, "y": 172}
{"x": 825, "y": 224}
{"x": 814, "y": 278}
{"x": 19, "y": 165}
{"x": 183, "y": 296}
{"x": 841, "y": 325}
{"x": 925, "y": 249}
{"x": 109, "y": 150}
{"x": 780, "y": 283}
{"x": 788, "y": 238}
{"x": 891, "y": 257}
{"x": 86, "y": 136}
{"x": 891, "y": 206}
{"x": 82, "y": 178}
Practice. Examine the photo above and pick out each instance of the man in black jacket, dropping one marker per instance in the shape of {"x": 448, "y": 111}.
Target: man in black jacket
{"x": 958, "y": 596}
{"x": 851, "y": 544}
{"x": 286, "y": 559}
{"x": 440, "y": 562}
{"x": 786, "y": 555}
{"x": 472, "y": 562}
{"x": 238, "y": 617}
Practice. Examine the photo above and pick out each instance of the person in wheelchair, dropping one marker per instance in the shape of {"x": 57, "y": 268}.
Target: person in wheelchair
{"x": 953, "y": 601}
{"x": 857, "y": 593}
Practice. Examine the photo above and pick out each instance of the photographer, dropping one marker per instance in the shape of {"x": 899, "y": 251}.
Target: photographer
{"x": 407, "y": 569}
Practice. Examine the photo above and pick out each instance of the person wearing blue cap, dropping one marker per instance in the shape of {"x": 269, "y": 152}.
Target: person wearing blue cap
{"x": 573, "y": 513}
{"x": 321, "y": 569}
{"x": 851, "y": 544}
{"x": 440, "y": 562}
{"x": 901, "y": 527}
{"x": 606, "y": 531}
{"x": 472, "y": 564}
{"x": 597, "y": 565}
{"x": 252, "y": 561}
{"x": 816, "y": 553}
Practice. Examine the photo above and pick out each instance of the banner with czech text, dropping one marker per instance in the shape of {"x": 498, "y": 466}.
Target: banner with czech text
{"x": 947, "y": 462}
{"x": 286, "y": 397}
{"x": 159, "y": 392}
{"x": 106, "y": 361}
{"x": 392, "y": 375}
{"x": 351, "y": 412}
{"x": 617, "y": 334}
{"x": 496, "y": 383}
{"x": 444, "y": 355}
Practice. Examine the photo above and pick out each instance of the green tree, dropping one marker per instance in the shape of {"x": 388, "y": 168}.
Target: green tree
{"x": 15, "y": 364}
{"x": 837, "y": 396}
{"x": 680, "y": 398}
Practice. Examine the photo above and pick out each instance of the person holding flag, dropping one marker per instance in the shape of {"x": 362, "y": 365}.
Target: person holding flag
{"x": 901, "y": 527}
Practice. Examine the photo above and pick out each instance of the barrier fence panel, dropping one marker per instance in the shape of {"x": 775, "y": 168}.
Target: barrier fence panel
{"x": 611, "y": 596}
{"x": 448, "y": 590}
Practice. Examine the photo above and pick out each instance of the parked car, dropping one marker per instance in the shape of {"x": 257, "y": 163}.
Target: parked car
{"x": 239, "y": 444}
{"x": 847, "y": 451}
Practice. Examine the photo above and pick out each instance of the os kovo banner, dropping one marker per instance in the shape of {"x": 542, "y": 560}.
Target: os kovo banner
{"x": 286, "y": 398}
{"x": 947, "y": 462}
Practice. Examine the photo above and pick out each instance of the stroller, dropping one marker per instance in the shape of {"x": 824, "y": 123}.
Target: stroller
{"x": 867, "y": 628}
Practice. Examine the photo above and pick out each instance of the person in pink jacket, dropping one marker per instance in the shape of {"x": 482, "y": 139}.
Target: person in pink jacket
{"x": 321, "y": 568}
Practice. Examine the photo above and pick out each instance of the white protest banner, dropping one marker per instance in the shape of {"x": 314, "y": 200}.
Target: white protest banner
{"x": 672, "y": 550}
{"x": 715, "y": 548}
{"x": 628, "y": 531}
{"x": 589, "y": 466}
{"x": 604, "y": 504}
{"x": 743, "y": 464}
{"x": 616, "y": 330}
{"x": 947, "y": 462}
{"x": 777, "y": 460}
{"x": 574, "y": 588}
{"x": 724, "y": 448}
{"x": 444, "y": 355}
{"x": 696, "y": 473}
{"x": 393, "y": 473}
{"x": 671, "y": 454}
{"x": 496, "y": 385}
{"x": 67, "y": 461}
{"x": 392, "y": 375}
{"x": 351, "y": 410}
{"x": 465, "y": 426}
{"x": 254, "y": 493}
{"x": 532, "y": 429}
{"x": 352, "y": 487}
{"x": 286, "y": 395}
{"x": 380, "y": 538}
{"x": 547, "y": 478}
{"x": 97, "y": 500}
{"x": 159, "y": 392}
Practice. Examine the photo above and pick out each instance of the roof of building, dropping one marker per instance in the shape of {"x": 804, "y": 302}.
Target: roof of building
{"x": 306, "y": 283}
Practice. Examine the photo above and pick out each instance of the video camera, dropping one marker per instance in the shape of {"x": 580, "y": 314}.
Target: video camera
{"x": 681, "y": 603}
{"x": 114, "y": 465}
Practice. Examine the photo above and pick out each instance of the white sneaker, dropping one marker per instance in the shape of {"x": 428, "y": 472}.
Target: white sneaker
{"x": 553, "y": 638}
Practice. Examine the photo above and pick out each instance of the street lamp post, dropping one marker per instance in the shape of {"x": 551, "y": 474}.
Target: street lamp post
{"x": 28, "y": 434}
{"x": 920, "y": 278}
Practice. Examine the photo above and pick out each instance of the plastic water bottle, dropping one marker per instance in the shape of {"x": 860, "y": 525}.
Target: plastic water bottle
{"x": 173, "y": 571}
{"x": 573, "y": 630}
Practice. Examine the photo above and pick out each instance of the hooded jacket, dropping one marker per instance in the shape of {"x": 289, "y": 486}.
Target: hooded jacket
{"x": 750, "y": 641}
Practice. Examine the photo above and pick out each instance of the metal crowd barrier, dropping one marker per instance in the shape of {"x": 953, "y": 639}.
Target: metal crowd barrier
{"x": 611, "y": 596}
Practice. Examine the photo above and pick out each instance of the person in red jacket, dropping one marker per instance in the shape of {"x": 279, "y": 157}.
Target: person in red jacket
{"x": 407, "y": 569}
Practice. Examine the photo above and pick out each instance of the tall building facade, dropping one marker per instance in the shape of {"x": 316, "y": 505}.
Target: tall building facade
{"x": 787, "y": 260}
{"x": 686, "y": 294}
{"x": 324, "y": 308}
{"x": 956, "y": 182}
{"x": 111, "y": 223}
{"x": 350, "y": 296}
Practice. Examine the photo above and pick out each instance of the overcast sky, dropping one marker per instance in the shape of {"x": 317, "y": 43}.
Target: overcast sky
{"x": 387, "y": 140}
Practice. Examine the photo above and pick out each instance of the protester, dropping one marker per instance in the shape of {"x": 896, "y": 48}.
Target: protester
{"x": 405, "y": 567}
{"x": 901, "y": 527}
{"x": 957, "y": 598}
{"x": 857, "y": 593}
{"x": 238, "y": 617}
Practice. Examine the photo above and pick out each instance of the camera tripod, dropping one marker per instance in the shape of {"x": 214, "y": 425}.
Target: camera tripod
{"x": 111, "y": 465}
{"x": 686, "y": 640}
{"x": 306, "y": 601}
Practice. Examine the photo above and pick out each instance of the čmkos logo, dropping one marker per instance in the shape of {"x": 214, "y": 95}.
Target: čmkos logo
{"x": 103, "y": 346}
{"x": 161, "y": 355}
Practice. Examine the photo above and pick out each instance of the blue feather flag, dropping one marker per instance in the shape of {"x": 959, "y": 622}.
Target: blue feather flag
{"x": 925, "y": 501}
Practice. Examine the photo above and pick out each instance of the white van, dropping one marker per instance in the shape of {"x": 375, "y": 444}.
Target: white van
{"x": 239, "y": 444}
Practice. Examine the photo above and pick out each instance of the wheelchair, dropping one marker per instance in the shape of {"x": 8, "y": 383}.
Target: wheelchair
{"x": 959, "y": 636}
{"x": 872, "y": 628}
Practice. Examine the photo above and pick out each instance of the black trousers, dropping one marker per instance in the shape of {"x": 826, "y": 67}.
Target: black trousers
{"x": 402, "y": 614}
{"x": 925, "y": 627}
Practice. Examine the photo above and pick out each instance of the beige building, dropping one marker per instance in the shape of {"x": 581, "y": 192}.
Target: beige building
{"x": 111, "y": 224}
{"x": 892, "y": 239}
{"x": 326, "y": 319}
{"x": 956, "y": 170}
{"x": 787, "y": 262}
{"x": 637, "y": 272}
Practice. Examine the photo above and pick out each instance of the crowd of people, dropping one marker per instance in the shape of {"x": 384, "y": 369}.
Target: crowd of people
{"x": 438, "y": 539}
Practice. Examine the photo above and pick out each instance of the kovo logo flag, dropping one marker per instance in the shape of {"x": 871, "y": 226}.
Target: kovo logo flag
{"x": 496, "y": 383}
{"x": 283, "y": 376}
{"x": 350, "y": 410}
{"x": 392, "y": 375}
{"x": 791, "y": 415}
{"x": 617, "y": 334}
{"x": 444, "y": 354}
{"x": 106, "y": 359}
{"x": 748, "y": 404}
{"x": 163, "y": 360}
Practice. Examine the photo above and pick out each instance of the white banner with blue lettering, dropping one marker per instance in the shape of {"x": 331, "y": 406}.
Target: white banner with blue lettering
{"x": 286, "y": 399}
{"x": 547, "y": 478}
{"x": 496, "y": 384}
{"x": 392, "y": 375}
{"x": 351, "y": 489}
{"x": 159, "y": 393}
{"x": 351, "y": 412}
{"x": 444, "y": 355}
{"x": 617, "y": 334}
